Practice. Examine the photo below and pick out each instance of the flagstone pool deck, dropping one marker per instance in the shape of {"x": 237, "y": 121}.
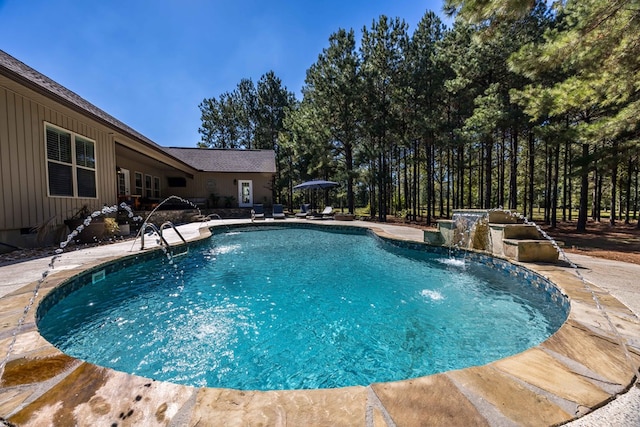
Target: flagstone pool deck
{"x": 590, "y": 361}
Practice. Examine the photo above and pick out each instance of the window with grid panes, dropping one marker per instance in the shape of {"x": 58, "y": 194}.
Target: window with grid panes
{"x": 138, "y": 188}
{"x": 71, "y": 164}
{"x": 156, "y": 187}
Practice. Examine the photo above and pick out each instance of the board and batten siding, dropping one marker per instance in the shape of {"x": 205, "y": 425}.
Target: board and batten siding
{"x": 24, "y": 199}
{"x": 225, "y": 184}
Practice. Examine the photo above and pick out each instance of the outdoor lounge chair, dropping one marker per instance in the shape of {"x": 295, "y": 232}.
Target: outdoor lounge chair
{"x": 278, "y": 212}
{"x": 327, "y": 212}
{"x": 304, "y": 211}
{"x": 257, "y": 212}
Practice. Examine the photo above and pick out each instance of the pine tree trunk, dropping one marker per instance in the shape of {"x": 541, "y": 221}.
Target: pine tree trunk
{"x": 513, "y": 172}
{"x": 635, "y": 198}
{"x": 382, "y": 214}
{"x": 429, "y": 181}
{"x": 570, "y": 185}
{"x": 594, "y": 202}
{"x": 348, "y": 154}
{"x": 414, "y": 189}
{"x": 627, "y": 217}
{"x": 501, "y": 170}
{"x": 441, "y": 192}
{"x": 614, "y": 185}
{"x": 531, "y": 170}
{"x": 525, "y": 198}
{"x": 470, "y": 183}
{"x": 547, "y": 183}
{"x": 373, "y": 200}
{"x": 433, "y": 187}
{"x": 460, "y": 198}
{"x": 488, "y": 172}
{"x": 448, "y": 187}
{"x": 584, "y": 191}
{"x": 554, "y": 187}
{"x": 407, "y": 193}
{"x": 599, "y": 204}
{"x": 565, "y": 178}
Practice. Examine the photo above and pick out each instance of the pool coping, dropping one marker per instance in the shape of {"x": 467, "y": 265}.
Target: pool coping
{"x": 590, "y": 360}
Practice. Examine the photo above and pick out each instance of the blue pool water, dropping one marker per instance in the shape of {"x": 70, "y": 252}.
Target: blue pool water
{"x": 296, "y": 309}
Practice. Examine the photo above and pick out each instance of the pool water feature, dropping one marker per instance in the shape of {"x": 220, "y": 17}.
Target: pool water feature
{"x": 106, "y": 210}
{"x": 300, "y": 308}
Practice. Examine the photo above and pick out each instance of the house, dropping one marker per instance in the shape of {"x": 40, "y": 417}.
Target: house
{"x": 230, "y": 178}
{"x": 59, "y": 152}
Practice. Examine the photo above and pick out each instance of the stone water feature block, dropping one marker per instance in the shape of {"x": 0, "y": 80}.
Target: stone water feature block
{"x": 471, "y": 228}
{"x": 433, "y": 237}
{"x": 479, "y": 237}
{"x": 502, "y": 217}
{"x": 494, "y": 217}
{"x": 520, "y": 231}
{"x": 468, "y": 229}
{"x": 529, "y": 250}
{"x": 447, "y": 229}
{"x": 500, "y": 231}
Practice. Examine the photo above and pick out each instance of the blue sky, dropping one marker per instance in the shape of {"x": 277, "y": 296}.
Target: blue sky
{"x": 150, "y": 63}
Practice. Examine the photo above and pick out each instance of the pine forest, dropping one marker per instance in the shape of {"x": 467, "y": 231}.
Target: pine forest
{"x": 533, "y": 106}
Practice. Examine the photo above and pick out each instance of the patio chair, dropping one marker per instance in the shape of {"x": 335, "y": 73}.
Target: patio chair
{"x": 304, "y": 211}
{"x": 327, "y": 212}
{"x": 257, "y": 212}
{"x": 278, "y": 212}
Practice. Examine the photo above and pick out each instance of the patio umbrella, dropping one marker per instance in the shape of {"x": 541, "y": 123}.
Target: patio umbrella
{"x": 316, "y": 185}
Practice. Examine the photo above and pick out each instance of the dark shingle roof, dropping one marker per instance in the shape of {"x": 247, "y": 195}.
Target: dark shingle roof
{"x": 219, "y": 160}
{"x": 26, "y": 75}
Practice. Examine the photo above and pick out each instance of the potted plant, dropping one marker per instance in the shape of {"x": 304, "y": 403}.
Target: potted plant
{"x": 90, "y": 233}
{"x": 111, "y": 227}
{"x": 229, "y": 201}
{"x": 214, "y": 199}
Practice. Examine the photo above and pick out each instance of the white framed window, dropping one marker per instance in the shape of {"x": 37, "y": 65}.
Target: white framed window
{"x": 148, "y": 189}
{"x": 71, "y": 164}
{"x": 138, "y": 186}
{"x": 156, "y": 187}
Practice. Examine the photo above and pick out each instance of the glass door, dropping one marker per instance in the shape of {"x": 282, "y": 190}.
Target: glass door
{"x": 245, "y": 193}
{"x": 124, "y": 183}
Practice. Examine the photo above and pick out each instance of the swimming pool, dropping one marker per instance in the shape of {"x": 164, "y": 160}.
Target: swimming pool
{"x": 254, "y": 309}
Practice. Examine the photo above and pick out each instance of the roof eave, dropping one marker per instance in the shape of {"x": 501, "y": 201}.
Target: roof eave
{"x": 67, "y": 103}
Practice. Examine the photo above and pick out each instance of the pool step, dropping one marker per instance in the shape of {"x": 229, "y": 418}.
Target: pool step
{"x": 530, "y": 250}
